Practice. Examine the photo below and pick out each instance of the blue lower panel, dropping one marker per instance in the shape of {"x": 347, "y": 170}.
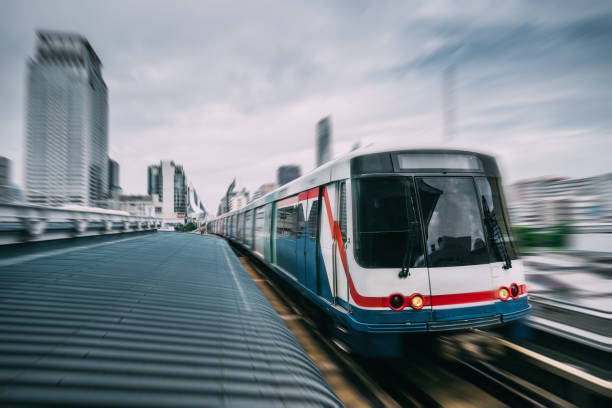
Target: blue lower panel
{"x": 408, "y": 320}
{"x": 472, "y": 312}
{"x": 286, "y": 254}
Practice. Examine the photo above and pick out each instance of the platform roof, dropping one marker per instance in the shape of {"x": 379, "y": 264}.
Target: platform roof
{"x": 166, "y": 319}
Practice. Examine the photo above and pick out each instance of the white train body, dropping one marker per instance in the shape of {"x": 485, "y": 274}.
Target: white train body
{"x": 391, "y": 242}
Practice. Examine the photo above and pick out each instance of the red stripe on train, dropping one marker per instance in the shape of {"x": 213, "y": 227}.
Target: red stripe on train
{"x": 304, "y": 195}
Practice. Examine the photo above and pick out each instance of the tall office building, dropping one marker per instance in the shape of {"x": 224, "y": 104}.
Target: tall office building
{"x": 324, "y": 141}
{"x": 114, "y": 189}
{"x": 169, "y": 182}
{"x": 195, "y": 207}
{"x": 287, "y": 173}
{"x": 5, "y": 171}
{"x": 67, "y": 123}
{"x": 154, "y": 180}
{"x": 263, "y": 190}
{"x": 8, "y": 191}
{"x": 239, "y": 199}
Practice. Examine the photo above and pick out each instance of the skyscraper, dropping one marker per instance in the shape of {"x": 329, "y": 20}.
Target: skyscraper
{"x": 5, "y": 171}
{"x": 8, "y": 191}
{"x": 287, "y": 173}
{"x": 114, "y": 189}
{"x": 154, "y": 181}
{"x": 67, "y": 123}
{"x": 324, "y": 142}
{"x": 169, "y": 182}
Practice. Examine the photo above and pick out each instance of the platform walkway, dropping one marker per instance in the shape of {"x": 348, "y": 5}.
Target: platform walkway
{"x": 165, "y": 319}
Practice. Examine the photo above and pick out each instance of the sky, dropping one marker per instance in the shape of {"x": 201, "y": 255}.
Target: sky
{"x": 235, "y": 89}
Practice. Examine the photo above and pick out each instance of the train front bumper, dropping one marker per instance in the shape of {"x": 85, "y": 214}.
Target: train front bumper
{"x": 441, "y": 325}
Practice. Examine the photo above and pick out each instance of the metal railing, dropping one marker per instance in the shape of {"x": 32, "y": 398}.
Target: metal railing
{"x": 21, "y": 222}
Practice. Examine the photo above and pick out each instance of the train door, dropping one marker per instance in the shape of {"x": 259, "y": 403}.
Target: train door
{"x": 326, "y": 239}
{"x": 458, "y": 261}
{"x": 269, "y": 250}
{"x": 332, "y": 228}
{"x": 301, "y": 237}
{"x": 340, "y": 239}
{"x": 310, "y": 249}
{"x": 287, "y": 235}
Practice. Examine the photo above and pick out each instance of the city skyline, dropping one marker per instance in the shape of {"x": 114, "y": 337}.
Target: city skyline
{"x": 528, "y": 84}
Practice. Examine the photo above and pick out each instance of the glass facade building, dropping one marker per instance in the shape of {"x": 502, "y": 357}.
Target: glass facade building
{"x": 169, "y": 182}
{"x": 66, "y": 123}
{"x": 287, "y": 173}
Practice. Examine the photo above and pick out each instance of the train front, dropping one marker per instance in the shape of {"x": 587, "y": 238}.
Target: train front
{"x": 432, "y": 246}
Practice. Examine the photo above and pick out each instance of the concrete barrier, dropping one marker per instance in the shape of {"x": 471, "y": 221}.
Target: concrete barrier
{"x": 31, "y": 223}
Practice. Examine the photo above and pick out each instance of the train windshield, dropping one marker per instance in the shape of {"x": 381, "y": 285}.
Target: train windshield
{"x": 394, "y": 216}
{"x": 452, "y": 222}
{"x": 493, "y": 205}
{"x": 388, "y": 233}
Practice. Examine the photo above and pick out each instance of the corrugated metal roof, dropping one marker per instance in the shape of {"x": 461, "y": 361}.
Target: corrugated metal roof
{"x": 167, "y": 319}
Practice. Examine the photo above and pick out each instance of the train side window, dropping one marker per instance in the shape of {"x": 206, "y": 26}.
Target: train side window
{"x": 248, "y": 228}
{"x": 313, "y": 220}
{"x": 260, "y": 234}
{"x": 243, "y": 227}
{"x": 343, "y": 211}
{"x": 286, "y": 224}
{"x": 301, "y": 222}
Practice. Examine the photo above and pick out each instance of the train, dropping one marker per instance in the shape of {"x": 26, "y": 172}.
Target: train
{"x": 388, "y": 243}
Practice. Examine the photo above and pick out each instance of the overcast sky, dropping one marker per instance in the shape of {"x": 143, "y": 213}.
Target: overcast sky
{"x": 234, "y": 89}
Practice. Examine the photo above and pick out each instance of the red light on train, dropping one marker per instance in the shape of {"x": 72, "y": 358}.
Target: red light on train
{"x": 396, "y": 301}
{"x": 515, "y": 291}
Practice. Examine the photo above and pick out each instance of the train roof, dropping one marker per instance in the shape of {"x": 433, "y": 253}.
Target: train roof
{"x": 340, "y": 168}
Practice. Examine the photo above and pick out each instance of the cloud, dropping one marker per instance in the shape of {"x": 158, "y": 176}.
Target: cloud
{"x": 235, "y": 89}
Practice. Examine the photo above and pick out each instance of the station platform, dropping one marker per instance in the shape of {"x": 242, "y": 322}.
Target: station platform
{"x": 164, "y": 319}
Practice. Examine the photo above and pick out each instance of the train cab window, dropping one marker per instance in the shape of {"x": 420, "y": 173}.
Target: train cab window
{"x": 451, "y": 220}
{"x": 493, "y": 206}
{"x": 386, "y": 228}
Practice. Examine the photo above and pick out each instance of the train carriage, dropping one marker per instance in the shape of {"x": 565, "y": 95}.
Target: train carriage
{"x": 391, "y": 242}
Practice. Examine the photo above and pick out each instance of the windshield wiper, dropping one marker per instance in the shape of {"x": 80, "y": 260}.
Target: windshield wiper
{"x": 407, "y": 260}
{"x": 495, "y": 233}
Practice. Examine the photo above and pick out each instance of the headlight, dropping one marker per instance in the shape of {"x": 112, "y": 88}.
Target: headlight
{"x": 416, "y": 301}
{"x": 503, "y": 293}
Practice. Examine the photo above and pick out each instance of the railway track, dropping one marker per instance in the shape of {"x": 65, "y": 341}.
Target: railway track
{"x": 449, "y": 370}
